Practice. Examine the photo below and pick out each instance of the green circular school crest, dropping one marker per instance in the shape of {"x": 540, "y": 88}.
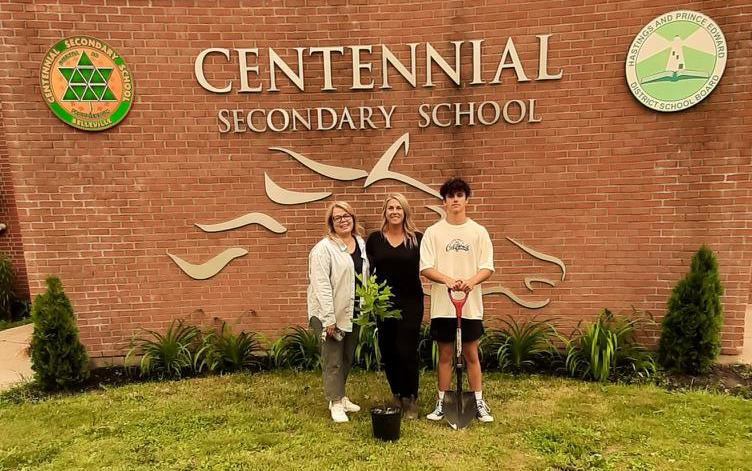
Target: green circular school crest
{"x": 676, "y": 61}
{"x": 86, "y": 83}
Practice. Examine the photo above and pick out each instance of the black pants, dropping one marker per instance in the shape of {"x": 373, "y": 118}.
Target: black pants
{"x": 398, "y": 342}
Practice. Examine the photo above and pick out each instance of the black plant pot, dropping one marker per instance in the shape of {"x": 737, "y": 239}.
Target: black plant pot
{"x": 386, "y": 422}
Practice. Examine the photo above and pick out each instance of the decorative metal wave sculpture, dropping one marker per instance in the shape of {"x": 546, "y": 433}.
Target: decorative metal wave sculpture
{"x": 279, "y": 195}
{"x": 212, "y": 267}
{"x": 251, "y": 218}
{"x": 542, "y": 256}
{"x": 529, "y": 282}
{"x": 508, "y": 293}
{"x": 379, "y": 172}
{"x": 330, "y": 171}
{"x": 438, "y": 210}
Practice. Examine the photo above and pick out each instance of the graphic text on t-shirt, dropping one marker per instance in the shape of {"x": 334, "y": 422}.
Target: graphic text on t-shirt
{"x": 457, "y": 245}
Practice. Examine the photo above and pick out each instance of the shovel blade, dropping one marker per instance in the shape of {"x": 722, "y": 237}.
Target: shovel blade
{"x": 459, "y": 408}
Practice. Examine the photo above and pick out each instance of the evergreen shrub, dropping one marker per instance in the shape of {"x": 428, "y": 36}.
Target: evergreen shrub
{"x": 691, "y": 330}
{"x": 58, "y": 358}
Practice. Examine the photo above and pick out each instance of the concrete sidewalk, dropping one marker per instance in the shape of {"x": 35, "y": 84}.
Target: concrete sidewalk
{"x": 15, "y": 364}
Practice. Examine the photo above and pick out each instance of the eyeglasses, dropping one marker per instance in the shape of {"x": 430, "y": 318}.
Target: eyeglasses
{"x": 342, "y": 218}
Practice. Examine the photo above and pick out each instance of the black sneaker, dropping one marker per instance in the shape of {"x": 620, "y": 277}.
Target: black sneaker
{"x": 484, "y": 412}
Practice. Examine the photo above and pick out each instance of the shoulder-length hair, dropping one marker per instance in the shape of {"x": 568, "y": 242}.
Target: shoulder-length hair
{"x": 408, "y": 225}
{"x": 329, "y": 224}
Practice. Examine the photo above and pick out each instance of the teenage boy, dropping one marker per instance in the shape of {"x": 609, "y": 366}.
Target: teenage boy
{"x": 457, "y": 253}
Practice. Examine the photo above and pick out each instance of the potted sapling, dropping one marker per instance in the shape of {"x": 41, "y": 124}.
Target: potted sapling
{"x": 376, "y": 306}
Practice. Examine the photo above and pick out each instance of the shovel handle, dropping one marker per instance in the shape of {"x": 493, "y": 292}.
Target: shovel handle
{"x": 458, "y": 303}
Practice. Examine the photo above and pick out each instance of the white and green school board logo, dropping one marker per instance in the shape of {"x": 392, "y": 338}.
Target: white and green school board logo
{"x": 676, "y": 61}
{"x": 86, "y": 83}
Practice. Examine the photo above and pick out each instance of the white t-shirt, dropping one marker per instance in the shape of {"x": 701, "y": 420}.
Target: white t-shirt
{"x": 459, "y": 251}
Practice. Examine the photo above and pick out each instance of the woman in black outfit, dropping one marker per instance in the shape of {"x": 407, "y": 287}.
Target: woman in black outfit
{"x": 394, "y": 253}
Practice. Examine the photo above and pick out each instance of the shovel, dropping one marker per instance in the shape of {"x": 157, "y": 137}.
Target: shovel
{"x": 459, "y": 407}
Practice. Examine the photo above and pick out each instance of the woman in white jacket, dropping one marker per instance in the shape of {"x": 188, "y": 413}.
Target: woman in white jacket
{"x": 332, "y": 304}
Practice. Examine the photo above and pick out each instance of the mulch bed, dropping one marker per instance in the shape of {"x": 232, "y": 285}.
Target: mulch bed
{"x": 730, "y": 379}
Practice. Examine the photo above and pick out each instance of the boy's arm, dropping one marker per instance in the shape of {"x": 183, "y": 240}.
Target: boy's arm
{"x": 468, "y": 285}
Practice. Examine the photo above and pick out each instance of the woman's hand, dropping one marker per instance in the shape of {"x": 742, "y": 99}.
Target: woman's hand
{"x": 330, "y": 330}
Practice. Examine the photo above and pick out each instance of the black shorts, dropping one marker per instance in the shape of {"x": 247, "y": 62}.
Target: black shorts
{"x": 445, "y": 329}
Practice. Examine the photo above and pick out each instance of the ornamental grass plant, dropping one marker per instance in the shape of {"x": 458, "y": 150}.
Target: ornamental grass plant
{"x": 171, "y": 355}
{"x": 228, "y": 352}
{"x": 297, "y": 349}
{"x": 605, "y": 348}
{"x": 520, "y": 346}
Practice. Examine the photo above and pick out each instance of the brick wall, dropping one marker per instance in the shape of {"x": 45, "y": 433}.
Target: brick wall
{"x": 10, "y": 239}
{"x": 621, "y": 194}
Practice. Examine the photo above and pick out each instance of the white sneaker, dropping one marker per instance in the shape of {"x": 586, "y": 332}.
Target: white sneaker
{"x": 349, "y": 406}
{"x": 338, "y": 412}
{"x": 484, "y": 412}
{"x": 438, "y": 413}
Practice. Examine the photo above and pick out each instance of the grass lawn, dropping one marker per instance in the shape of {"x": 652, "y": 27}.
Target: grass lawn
{"x": 278, "y": 421}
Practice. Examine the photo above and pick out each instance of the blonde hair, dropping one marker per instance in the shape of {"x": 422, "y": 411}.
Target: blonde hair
{"x": 330, "y": 232}
{"x": 407, "y": 222}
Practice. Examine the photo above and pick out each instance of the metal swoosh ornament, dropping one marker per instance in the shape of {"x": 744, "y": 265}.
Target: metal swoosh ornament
{"x": 251, "y": 218}
{"x": 212, "y": 267}
{"x": 282, "y": 196}
{"x": 335, "y": 173}
{"x": 381, "y": 170}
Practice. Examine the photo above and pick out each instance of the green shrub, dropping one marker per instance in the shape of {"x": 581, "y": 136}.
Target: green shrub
{"x": 170, "y": 355}
{"x": 376, "y": 306}
{"x": 58, "y": 358}
{"x": 592, "y": 354}
{"x": 606, "y": 348}
{"x": 12, "y": 307}
{"x": 691, "y": 330}
{"x": 298, "y": 350}
{"x": 519, "y": 346}
{"x": 428, "y": 351}
{"x": 227, "y": 352}
{"x": 488, "y": 344}
{"x": 21, "y": 309}
{"x": 514, "y": 347}
{"x": 7, "y": 294}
